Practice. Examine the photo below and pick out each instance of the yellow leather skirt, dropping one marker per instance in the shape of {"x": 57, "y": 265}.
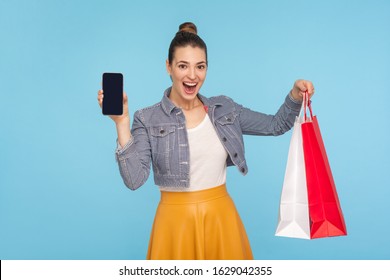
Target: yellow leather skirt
{"x": 199, "y": 225}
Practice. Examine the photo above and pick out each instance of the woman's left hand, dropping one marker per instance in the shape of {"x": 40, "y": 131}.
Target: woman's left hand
{"x": 300, "y": 87}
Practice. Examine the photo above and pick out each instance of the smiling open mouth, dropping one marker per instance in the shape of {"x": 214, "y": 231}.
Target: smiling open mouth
{"x": 190, "y": 87}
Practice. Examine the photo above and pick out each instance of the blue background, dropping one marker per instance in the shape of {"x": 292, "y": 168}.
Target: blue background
{"x": 61, "y": 195}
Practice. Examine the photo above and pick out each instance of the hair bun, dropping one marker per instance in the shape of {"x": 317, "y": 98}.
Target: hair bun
{"x": 188, "y": 27}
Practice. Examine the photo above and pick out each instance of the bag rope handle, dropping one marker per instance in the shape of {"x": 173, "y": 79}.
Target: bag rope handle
{"x": 307, "y": 104}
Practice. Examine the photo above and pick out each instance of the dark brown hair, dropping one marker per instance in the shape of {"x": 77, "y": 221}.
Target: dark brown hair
{"x": 186, "y": 36}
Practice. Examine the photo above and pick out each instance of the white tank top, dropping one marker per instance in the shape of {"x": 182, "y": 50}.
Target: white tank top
{"x": 207, "y": 158}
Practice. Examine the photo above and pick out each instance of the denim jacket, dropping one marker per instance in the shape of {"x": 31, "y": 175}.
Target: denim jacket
{"x": 159, "y": 136}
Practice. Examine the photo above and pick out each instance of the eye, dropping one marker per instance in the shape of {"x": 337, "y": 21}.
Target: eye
{"x": 202, "y": 67}
{"x": 182, "y": 66}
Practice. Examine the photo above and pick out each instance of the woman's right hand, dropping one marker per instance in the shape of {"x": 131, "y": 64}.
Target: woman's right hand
{"x": 122, "y": 122}
{"x": 124, "y": 118}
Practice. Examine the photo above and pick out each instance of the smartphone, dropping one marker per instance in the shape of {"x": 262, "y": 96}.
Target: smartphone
{"x": 113, "y": 94}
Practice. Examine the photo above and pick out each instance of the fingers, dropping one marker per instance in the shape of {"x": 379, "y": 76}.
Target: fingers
{"x": 301, "y": 85}
{"x": 309, "y": 88}
{"x": 100, "y": 98}
{"x": 305, "y": 86}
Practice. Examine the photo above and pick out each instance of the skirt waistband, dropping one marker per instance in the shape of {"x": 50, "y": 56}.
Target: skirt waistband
{"x": 193, "y": 197}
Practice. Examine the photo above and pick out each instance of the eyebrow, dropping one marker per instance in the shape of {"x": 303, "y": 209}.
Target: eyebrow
{"x": 186, "y": 62}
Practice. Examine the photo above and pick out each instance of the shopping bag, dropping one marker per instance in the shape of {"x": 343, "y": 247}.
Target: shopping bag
{"x": 294, "y": 208}
{"x": 326, "y": 217}
{"x": 321, "y": 211}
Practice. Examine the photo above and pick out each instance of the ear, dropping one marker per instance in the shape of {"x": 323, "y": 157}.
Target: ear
{"x": 168, "y": 66}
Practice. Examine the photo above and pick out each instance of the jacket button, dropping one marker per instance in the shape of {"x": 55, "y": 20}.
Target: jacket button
{"x": 242, "y": 169}
{"x": 235, "y": 155}
{"x": 224, "y": 139}
{"x": 162, "y": 131}
{"x": 229, "y": 119}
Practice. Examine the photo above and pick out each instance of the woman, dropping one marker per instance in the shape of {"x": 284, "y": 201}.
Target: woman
{"x": 190, "y": 140}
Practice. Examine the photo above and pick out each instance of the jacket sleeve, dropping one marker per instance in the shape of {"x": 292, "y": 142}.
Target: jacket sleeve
{"x": 135, "y": 157}
{"x": 256, "y": 123}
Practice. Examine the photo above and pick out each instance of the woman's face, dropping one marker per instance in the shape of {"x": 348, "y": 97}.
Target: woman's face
{"x": 188, "y": 71}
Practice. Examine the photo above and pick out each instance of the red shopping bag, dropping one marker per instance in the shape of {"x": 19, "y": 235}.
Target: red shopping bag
{"x": 326, "y": 217}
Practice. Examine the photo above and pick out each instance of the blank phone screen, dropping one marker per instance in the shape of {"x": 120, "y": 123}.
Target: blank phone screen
{"x": 113, "y": 94}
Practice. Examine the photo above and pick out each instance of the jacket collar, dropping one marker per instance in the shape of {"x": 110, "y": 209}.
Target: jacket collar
{"x": 168, "y": 106}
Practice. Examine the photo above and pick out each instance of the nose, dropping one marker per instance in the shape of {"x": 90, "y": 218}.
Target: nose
{"x": 191, "y": 73}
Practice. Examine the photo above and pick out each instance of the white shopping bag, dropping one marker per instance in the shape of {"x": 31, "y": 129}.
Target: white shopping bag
{"x": 294, "y": 211}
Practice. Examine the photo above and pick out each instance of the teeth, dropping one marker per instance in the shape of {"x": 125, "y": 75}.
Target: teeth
{"x": 190, "y": 84}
